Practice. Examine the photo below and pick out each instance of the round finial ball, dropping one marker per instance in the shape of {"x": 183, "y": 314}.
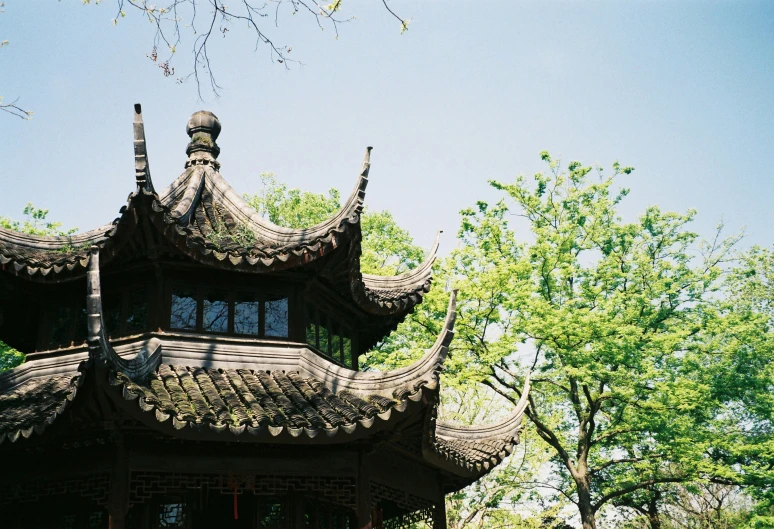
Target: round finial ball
{"x": 203, "y": 121}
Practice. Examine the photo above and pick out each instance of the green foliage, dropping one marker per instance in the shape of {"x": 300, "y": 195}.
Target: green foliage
{"x": 35, "y": 223}
{"x": 292, "y": 208}
{"x": 613, "y": 318}
{"x": 387, "y": 248}
{"x": 743, "y": 376}
{"x": 751, "y": 283}
{"x": 9, "y": 357}
{"x": 242, "y": 236}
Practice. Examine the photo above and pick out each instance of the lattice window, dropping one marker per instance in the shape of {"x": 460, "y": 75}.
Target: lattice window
{"x": 416, "y": 520}
{"x": 397, "y": 509}
{"x": 146, "y": 485}
{"x": 172, "y": 515}
{"x": 65, "y": 512}
{"x": 94, "y": 489}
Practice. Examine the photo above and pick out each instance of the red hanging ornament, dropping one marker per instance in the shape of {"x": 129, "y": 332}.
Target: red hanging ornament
{"x": 236, "y": 504}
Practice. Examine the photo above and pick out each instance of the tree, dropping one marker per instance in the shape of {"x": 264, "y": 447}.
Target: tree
{"x": 387, "y": 248}
{"x": 36, "y": 223}
{"x": 744, "y": 374}
{"x": 608, "y": 314}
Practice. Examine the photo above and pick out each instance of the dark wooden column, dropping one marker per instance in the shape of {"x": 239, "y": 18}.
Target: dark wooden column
{"x": 363, "y": 494}
{"x": 297, "y": 508}
{"x": 118, "y": 502}
{"x": 439, "y": 514}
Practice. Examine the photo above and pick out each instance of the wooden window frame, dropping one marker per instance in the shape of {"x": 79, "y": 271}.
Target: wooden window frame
{"x": 231, "y": 294}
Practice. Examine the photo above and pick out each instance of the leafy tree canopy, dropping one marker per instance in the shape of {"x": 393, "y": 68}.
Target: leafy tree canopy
{"x": 614, "y": 318}
{"x": 388, "y": 249}
{"x": 9, "y": 357}
{"x": 36, "y": 223}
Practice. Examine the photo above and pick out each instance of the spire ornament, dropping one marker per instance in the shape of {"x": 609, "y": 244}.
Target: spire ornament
{"x": 203, "y": 128}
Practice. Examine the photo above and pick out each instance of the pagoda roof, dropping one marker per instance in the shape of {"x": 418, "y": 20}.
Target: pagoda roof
{"x": 228, "y": 388}
{"x": 200, "y": 215}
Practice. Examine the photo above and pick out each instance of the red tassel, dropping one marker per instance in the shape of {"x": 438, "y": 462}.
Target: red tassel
{"x": 236, "y": 507}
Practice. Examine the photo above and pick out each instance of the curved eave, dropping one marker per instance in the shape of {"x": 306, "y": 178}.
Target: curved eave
{"x": 423, "y": 374}
{"x": 44, "y": 258}
{"x": 271, "y": 247}
{"x": 41, "y": 258}
{"x": 472, "y": 451}
{"x": 386, "y": 295}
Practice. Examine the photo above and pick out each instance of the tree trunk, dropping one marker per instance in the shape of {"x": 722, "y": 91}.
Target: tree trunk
{"x": 583, "y": 483}
{"x": 654, "y": 520}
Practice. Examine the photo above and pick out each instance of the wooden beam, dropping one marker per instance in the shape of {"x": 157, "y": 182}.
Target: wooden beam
{"x": 286, "y": 461}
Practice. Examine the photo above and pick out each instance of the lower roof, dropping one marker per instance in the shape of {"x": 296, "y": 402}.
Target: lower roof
{"x": 200, "y": 388}
{"x": 240, "y": 400}
{"x": 33, "y": 405}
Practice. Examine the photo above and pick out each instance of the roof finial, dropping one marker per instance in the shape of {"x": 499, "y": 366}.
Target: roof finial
{"x": 366, "y": 162}
{"x": 141, "y": 166}
{"x": 203, "y": 128}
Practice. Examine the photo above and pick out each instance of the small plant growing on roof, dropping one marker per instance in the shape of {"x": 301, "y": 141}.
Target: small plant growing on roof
{"x": 241, "y": 235}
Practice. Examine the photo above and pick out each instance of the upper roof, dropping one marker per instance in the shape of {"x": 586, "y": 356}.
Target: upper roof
{"x": 200, "y": 215}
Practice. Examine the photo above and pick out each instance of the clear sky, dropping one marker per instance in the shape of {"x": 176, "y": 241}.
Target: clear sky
{"x": 683, "y": 91}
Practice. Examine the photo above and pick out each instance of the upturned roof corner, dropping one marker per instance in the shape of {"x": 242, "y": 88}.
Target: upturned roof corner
{"x": 472, "y": 451}
{"x": 147, "y": 359}
{"x": 141, "y": 165}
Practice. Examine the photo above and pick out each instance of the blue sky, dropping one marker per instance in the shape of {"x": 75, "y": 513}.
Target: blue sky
{"x": 683, "y": 91}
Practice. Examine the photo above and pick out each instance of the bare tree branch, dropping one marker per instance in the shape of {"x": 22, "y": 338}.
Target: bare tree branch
{"x": 13, "y": 109}
{"x": 168, "y": 31}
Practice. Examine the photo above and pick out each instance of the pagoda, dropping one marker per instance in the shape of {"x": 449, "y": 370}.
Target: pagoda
{"x": 191, "y": 365}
